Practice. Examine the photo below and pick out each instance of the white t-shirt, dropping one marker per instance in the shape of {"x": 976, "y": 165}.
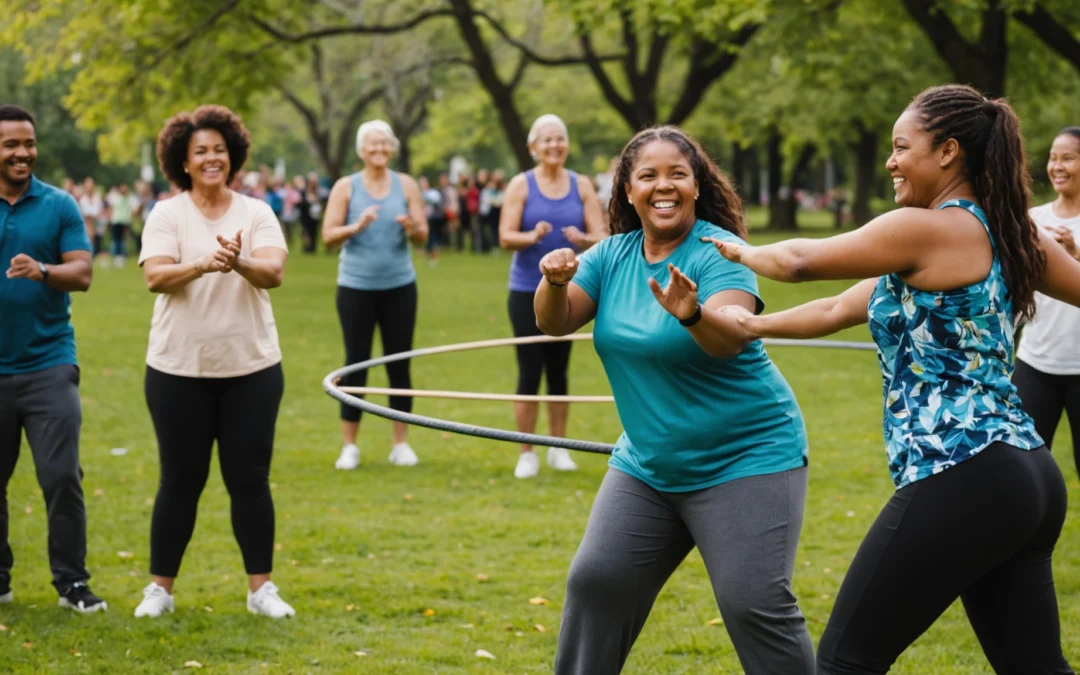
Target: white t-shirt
{"x": 1051, "y": 342}
{"x": 218, "y": 325}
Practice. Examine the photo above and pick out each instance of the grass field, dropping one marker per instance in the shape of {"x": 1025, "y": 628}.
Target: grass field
{"x": 419, "y": 568}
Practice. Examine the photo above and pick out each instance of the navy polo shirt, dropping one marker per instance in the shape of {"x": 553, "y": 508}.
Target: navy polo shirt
{"x": 35, "y": 319}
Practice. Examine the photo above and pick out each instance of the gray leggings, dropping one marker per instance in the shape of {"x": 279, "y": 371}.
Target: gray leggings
{"x": 747, "y": 531}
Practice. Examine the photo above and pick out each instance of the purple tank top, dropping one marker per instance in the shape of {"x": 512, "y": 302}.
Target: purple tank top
{"x": 525, "y": 265}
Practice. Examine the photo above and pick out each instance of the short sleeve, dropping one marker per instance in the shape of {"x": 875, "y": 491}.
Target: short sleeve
{"x": 266, "y": 230}
{"x": 590, "y": 270}
{"x": 716, "y": 273}
{"x": 160, "y": 236}
{"x": 73, "y": 235}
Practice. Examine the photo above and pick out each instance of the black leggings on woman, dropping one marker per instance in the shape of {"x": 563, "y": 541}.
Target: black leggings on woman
{"x": 982, "y": 531}
{"x": 534, "y": 360}
{"x": 189, "y": 414}
{"x": 394, "y": 310}
{"x": 1045, "y": 397}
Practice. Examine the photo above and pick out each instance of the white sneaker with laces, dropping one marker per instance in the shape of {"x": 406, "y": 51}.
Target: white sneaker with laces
{"x": 7, "y": 598}
{"x": 528, "y": 465}
{"x": 559, "y": 459}
{"x": 267, "y": 602}
{"x": 402, "y": 455}
{"x": 349, "y": 458}
{"x": 156, "y": 601}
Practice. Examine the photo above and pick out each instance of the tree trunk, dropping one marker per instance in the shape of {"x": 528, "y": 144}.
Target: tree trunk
{"x": 738, "y": 170}
{"x": 981, "y": 64}
{"x": 865, "y": 150}
{"x": 501, "y": 94}
{"x": 781, "y": 199}
{"x": 404, "y": 155}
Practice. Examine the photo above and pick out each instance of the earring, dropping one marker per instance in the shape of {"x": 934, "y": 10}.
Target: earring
{"x": 629, "y": 201}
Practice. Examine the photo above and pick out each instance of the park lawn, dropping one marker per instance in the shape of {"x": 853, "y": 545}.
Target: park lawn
{"x": 419, "y": 568}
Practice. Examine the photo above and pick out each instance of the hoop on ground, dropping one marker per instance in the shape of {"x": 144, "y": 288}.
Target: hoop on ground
{"x": 345, "y": 394}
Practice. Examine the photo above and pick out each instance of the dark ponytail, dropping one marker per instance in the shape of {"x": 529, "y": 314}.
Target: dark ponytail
{"x": 717, "y": 203}
{"x": 988, "y": 132}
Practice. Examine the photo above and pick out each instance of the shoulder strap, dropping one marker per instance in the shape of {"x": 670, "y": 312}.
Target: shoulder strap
{"x": 974, "y": 209}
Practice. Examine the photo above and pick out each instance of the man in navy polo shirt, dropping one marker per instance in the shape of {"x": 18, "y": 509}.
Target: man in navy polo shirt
{"x": 43, "y": 245}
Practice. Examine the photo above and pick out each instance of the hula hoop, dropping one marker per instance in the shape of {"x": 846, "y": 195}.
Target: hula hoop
{"x": 344, "y": 395}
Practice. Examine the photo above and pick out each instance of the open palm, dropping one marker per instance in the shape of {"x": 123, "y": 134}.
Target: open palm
{"x": 679, "y": 298}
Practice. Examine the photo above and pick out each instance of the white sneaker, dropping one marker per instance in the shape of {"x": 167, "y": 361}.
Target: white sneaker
{"x": 528, "y": 465}
{"x": 7, "y": 598}
{"x": 349, "y": 459}
{"x": 156, "y": 601}
{"x": 402, "y": 455}
{"x": 559, "y": 459}
{"x": 267, "y": 602}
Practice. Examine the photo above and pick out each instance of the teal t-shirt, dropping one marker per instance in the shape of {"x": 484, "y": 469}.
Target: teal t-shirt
{"x": 690, "y": 420}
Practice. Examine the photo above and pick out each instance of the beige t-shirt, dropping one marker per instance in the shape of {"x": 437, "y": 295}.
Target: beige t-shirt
{"x": 218, "y": 325}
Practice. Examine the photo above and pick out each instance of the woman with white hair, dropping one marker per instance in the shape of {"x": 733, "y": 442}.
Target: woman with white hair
{"x": 544, "y": 209}
{"x": 376, "y": 212}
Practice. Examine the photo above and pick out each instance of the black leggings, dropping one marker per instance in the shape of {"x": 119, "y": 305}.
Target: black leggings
{"x": 984, "y": 531}
{"x": 189, "y": 414}
{"x": 1045, "y": 397}
{"x": 395, "y": 312}
{"x": 534, "y": 360}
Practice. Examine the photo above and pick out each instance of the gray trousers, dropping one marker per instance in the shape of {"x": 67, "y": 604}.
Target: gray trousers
{"x": 747, "y": 531}
{"x": 45, "y": 404}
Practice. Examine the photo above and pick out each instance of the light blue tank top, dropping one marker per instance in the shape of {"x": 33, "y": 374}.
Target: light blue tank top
{"x": 377, "y": 258}
{"x": 947, "y": 361}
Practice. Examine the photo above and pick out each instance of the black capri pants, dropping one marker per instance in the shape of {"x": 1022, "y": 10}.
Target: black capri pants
{"x": 394, "y": 310}
{"x": 552, "y": 358}
{"x": 189, "y": 414}
{"x": 1045, "y": 397}
{"x": 983, "y": 531}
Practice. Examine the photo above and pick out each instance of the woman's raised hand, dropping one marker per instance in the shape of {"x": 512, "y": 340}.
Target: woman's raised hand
{"x": 559, "y": 266}
{"x": 680, "y": 297}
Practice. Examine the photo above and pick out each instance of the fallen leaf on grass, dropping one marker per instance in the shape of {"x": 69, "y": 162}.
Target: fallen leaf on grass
{"x": 349, "y": 608}
{"x": 715, "y": 622}
{"x": 519, "y": 634}
{"x": 850, "y": 514}
{"x": 29, "y": 510}
{"x": 278, "y": 547}
{"x": 540, "y": 628}
{"x": 429, "y": 612}
{"x": 126, "y": 555}
{"x": 481, "y": 577}
{"x": 445, "y": 435}
{"x": 99, "y": 492}
{"x": 466, "y": 625}
{"x": 149, "y": 501}
{"x": 538, "y": 601}
{"x": 75, "y": 652}
{"x": 192, "y": 664}
{"x": 484, "y": 654}
{"x": 27, "y": 645}
{"x": 208, "y": 608}
{"x": 360, "y": 653}
{"x": 408, "y": 497}
{"x": 118, "y": 452}
{"x": 3, "y": 628}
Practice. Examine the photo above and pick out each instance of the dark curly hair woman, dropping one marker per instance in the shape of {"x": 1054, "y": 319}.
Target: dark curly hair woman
{"x": 979, "y": 501}
{"x": 213, "y": 366}
{"x": 714, "y": 450}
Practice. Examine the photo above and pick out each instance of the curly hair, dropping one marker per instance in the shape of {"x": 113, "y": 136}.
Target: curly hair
{"x": 175, "y": 137}
{"x": 718, "y": 202}
{"x": 988, "y": 132}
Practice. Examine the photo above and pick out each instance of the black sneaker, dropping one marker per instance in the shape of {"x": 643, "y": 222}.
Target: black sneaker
{"x": 81, "y": 599}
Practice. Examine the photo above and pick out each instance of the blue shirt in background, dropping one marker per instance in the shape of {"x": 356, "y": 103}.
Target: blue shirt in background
{"x": 690, "y": 420}
{"x": 35, "y": 319}
{"x": 376, "y": 258}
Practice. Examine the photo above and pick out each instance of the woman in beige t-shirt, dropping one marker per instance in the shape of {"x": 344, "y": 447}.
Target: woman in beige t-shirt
{"x": 213, "y": 363}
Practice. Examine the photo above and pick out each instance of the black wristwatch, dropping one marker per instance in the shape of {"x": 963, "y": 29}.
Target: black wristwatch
{"x": 693, "y": 318}
{"x": 44, "y": 270}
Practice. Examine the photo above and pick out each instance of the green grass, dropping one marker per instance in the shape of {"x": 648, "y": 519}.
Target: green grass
{"x": 361, "y": 562}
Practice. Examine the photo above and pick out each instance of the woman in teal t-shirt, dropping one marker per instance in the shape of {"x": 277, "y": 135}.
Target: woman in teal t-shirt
{"x": 714, "y": 449}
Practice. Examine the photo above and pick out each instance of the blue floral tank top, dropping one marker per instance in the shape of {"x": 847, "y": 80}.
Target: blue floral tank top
{"x": 947, "y": 362}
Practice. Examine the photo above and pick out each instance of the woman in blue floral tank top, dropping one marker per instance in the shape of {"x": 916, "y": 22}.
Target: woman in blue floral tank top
{"x": 980, "y": 502}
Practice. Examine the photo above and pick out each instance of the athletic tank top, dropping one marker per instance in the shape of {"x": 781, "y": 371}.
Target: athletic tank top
{"x": 376, "y": 258}
{"x": 947, "y": 361}
{"x": 525, "y": 265}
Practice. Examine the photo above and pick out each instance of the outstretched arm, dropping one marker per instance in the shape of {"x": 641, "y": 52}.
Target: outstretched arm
{"x": 718, "y": 333}
{"x": 814, "y": 319}
{"x": 904, "y": 240}
{"x": 1061, "y": 278}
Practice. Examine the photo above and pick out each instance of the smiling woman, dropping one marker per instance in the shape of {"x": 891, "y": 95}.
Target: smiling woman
{"x": 711, "y": 426}
{"x": 213, "y": 362}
